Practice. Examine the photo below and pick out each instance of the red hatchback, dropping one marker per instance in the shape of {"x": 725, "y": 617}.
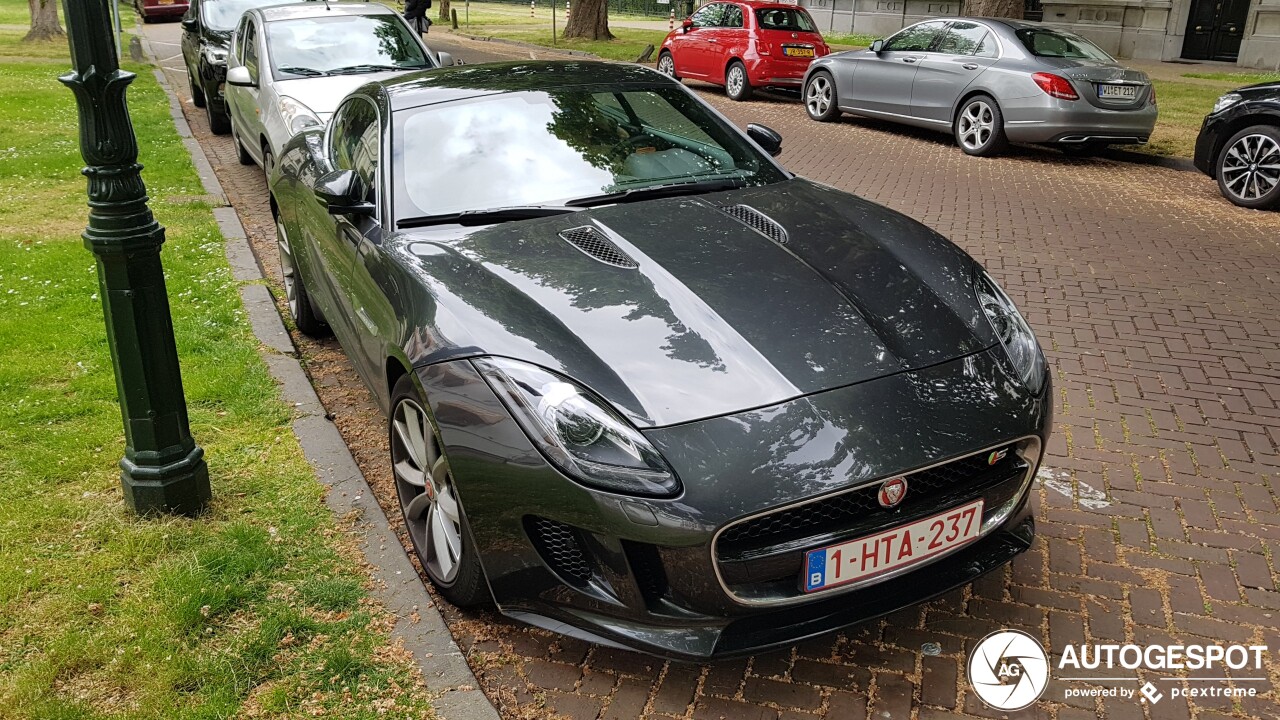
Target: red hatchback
{"x": 743, "y": 45}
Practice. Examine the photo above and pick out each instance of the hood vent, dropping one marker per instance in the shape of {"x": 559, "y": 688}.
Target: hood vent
{"x": 594, "y": 243}
{"x": 757, "y": 221}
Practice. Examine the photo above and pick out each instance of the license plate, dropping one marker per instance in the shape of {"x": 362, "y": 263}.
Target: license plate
{"x": 892, "y": 549}
{"x": 797, "y": 52}
{"x": 1118, "y": 92}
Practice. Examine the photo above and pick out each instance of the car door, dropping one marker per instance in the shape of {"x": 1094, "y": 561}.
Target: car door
{"x": 191, "y": 40}
{"x": 882, "y": 83}
{"x": 963, "y": 52}
{"x": 726, "y": 40}
{"x": 235, "y": 95}
{"x": 694, "y": 58}
{"x": 251, "y": 97}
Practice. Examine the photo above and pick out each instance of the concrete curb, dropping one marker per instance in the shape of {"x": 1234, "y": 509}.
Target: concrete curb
{"x": 456, "y": 694}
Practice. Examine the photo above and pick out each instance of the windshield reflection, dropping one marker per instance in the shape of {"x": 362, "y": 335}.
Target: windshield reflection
{"x": 341, "y": 44}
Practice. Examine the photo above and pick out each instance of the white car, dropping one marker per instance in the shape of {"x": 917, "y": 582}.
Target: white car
{"x": 291, "y": 65}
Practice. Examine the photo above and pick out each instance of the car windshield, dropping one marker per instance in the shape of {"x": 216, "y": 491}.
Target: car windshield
{"x": 342, "y": 44}
{"x": 551, "y": 148}
{"x": 1057, "y": 44}
{"x": 789, "y": 19}
{"x": 224, "y": 14}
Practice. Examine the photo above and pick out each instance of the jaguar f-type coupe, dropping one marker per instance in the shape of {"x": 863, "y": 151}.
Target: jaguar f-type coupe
{"x": 645, "y": 386}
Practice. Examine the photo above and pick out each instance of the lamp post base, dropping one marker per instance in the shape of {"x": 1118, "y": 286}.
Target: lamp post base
{"x": 180, "y": 487}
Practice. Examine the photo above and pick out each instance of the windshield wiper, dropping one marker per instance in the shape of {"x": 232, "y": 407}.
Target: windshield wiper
{"x": 309, "y": 72}
{"x": 692, "y": 187}
{"x": 363, "y": 68}
{"x": 487, "y": 217}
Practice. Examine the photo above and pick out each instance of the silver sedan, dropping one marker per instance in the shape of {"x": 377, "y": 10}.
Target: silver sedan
{"x": 989, "y": 82}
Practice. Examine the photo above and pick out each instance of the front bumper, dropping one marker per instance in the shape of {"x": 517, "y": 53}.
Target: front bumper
{"x": 1208, "y": 141}
{"x": 650, "y": 575}
{"x": 1048, "y": 120}
{"x": 213, "y": 80}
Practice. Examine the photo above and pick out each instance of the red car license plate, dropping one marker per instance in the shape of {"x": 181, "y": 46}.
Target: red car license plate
{"x": 798, "y": 52}
{"x": 892, "y": 549}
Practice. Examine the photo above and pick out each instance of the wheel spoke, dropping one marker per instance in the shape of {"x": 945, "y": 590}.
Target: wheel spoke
{"x": 448, "y": 505}
{"x": 440, "y": 473}
{"x": 418, "y": 508}
{"x": 441, "y": 549}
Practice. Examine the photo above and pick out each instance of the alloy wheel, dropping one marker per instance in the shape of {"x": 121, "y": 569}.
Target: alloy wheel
{"x": 425, "y": 488}
{"x": 977, "y": 123}
{"x": 735, "y": 81}
{"x": 818, "y": 97}
{"x": 287, "y": 269}
{"x": 1251, "y": 167}
{"x": 667, "y": 65}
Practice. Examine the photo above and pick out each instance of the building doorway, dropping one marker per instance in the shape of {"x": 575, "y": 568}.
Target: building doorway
{"x": 1214, "y": 29}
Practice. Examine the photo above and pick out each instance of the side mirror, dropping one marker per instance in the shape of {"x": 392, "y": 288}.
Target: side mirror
{"x": 687, "y": 25}
{"x": 190, "y": 24}
{"x": 337, "y": 191}
{"x": 766, "y": 138}
{"x": 445, "y": 59}
{"x": 240, "y": 77}
{"x": 877, "y": 47}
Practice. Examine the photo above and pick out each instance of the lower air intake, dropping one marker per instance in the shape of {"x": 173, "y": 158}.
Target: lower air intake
{"x": 561, "y": 549}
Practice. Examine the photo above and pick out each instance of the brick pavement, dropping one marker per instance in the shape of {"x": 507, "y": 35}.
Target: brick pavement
{"x": 1158, "y": 521}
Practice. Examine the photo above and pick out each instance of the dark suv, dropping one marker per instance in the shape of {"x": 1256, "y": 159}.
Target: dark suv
{"x": 1239, "y": 144}
{"x": 206, "y": 38}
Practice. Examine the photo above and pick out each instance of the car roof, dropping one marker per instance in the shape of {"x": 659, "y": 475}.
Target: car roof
{"x": 316, "y": 8}
{"x": 452, "y": 83}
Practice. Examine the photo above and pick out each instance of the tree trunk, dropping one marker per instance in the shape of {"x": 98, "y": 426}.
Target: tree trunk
{"x": 44, "y": 20}
{"x": 444, "y": 11}
{"x": 994, "y": 8}
{"x": 589, "y": 19}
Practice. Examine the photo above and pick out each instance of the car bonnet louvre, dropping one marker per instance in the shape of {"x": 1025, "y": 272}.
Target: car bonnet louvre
{"x": 757, "y": 221}
{"x": 594, "y": 243}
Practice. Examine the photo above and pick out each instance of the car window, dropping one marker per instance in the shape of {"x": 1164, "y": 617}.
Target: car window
{"x": 916, "y": 38}
{"x": 342, "y": 44}
{"x": 241, "y": 29}
{"x": 732, "y": 17}
{"x": 962, "y": 38}
{"x": 790, "y": 19}
{"x": 224, "y": 14}
{"x": 1043, "y": 42}
{"x": 550, "y": 147}
{"x": 708, "y": 16}
{"x": 249, "y": 55}
{"x": 353, "y": 142}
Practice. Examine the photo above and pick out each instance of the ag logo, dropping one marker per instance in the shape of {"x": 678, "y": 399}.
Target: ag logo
{"x": 1008, "y": 670}
{"x": 892, "y": 491}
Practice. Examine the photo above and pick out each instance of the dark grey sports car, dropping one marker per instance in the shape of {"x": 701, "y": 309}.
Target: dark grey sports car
{"x": 646, "y": 387}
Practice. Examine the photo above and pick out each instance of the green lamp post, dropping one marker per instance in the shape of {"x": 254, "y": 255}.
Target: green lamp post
{"x": 163, "y": 470}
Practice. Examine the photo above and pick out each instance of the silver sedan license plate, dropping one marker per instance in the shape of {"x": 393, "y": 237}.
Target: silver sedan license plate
{"x": 1118, "y": 92}
{"x": 904, "y": 545}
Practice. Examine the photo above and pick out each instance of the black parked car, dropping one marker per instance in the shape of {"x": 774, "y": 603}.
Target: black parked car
{"x": 645, "y": 386}
{"x": 1239, "y": 144}
{"x": 206, "y": 39}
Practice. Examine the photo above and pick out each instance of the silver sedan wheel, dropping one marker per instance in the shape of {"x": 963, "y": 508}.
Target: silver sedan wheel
{"x": 818, "y": 98}
{"x": 427, "y": 498}
{"x": 736, "y": 80}
{"x": 667, "y": 65}
{"x": 287, "y": 269}
{"x": 1251, "y": 167}
{"x": 977, "y": 124}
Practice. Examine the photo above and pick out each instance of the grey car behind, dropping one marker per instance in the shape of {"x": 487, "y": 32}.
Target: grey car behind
{"x": 989, "y": 82}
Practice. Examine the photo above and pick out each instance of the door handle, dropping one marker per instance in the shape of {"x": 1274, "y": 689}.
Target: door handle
{"x": 970, "y": 66}
{"x": 368, "y": 322}
{"x": 712, "y": 40}
{"x": 909, "y": 59}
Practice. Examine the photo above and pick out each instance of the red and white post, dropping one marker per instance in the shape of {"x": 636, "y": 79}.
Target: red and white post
{"x": 671, "y": 21}
{"x": 567, "y": 10}
{"x": 532, "y": 3}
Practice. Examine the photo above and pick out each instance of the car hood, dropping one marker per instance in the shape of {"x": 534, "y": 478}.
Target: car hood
{"x": 715, "y": 317}
{"x": 1094, "y": 71}
{"x": 324, "y": 94}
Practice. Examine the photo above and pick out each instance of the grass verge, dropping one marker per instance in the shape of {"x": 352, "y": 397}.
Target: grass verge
{"x": 257, "y": 609}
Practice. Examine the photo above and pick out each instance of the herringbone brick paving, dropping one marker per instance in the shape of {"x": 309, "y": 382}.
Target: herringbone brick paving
{"x": 1156, "y": 303}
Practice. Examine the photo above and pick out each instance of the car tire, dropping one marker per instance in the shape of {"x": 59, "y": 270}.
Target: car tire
{"x": 979, "y": 127}
{"x": 667, "y": 65}
{"x": 219, "y": 122}
{"x": 429, "y": 502}
{"x": 820, "y": 99}
{"x": 197, "y": 95}
{"x": 242, "y": 153}
{"x": 268, "y": 162}
{"x": 1246, "y": 163}
{"x": 737, "y": 85}
{"x": 301, "y": 311}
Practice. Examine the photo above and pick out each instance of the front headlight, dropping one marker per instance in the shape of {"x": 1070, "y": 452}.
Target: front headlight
{"x": 215, "y": 56}
{"x": 580, "y": 434}
{"x": 1225, "y": 102}
{"x": 297, "y": 117}
{"x": 1015, "y": 335}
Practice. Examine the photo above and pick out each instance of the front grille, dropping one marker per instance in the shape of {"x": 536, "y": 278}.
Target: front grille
{"x": 592, "y": 242}
{"x": 757, "y": 221}
{"x": 860, "y": 509}
{"x": 561, "y": 549}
